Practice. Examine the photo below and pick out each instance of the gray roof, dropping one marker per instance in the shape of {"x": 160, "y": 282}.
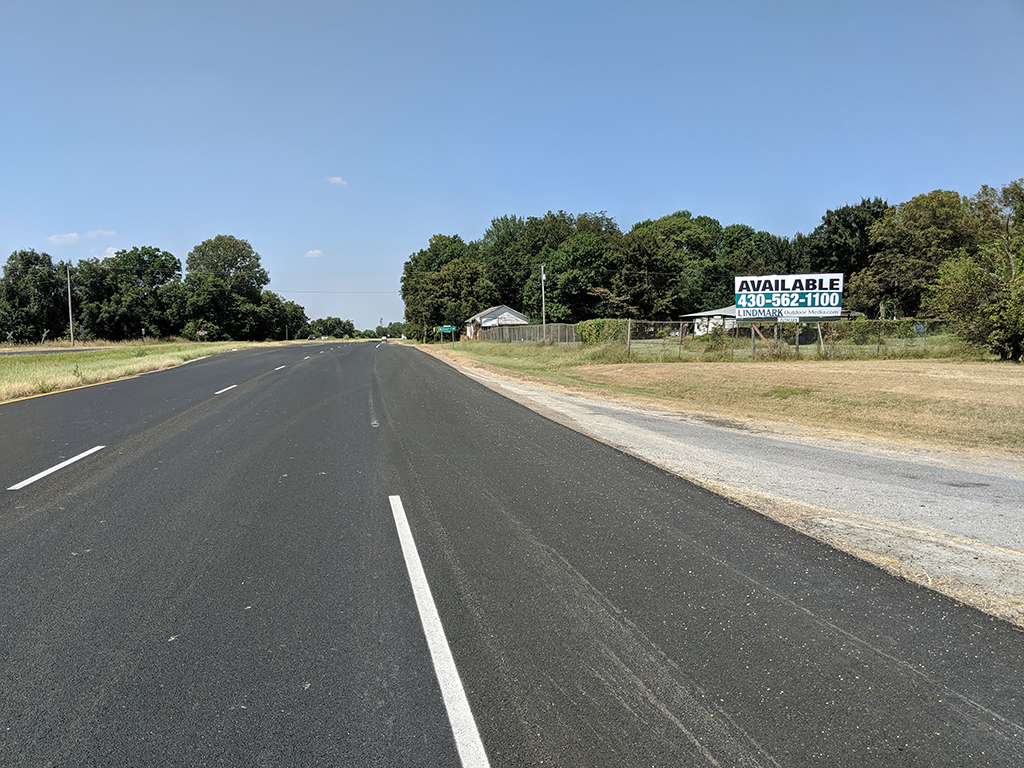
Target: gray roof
{"x": 729, "y": 311}
{"x": 494, "y": 312}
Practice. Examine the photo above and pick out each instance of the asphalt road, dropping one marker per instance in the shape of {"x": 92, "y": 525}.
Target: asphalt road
{"x": 223, "y": 583}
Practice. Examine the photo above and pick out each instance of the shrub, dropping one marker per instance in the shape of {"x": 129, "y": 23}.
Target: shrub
{"x": 601, "y": 330}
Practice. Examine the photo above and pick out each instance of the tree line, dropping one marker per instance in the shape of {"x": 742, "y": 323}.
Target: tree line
{"x": 141, "y": 292}
{"x": 939, "y": 255}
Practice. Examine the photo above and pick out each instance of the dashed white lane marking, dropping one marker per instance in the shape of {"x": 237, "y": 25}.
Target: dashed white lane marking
{"x": 222, "y": 391}
{"x": 51, "y": 470}
{"x": 280, "y": 367}
{"x": 306, "y": 357}
{"x": 467, "y": 737}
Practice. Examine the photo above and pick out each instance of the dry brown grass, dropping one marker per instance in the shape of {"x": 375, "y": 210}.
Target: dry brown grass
{"x": 949, "y": 405}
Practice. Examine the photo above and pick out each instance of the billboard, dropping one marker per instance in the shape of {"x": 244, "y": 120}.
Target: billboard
{"x": 789, "y": 296}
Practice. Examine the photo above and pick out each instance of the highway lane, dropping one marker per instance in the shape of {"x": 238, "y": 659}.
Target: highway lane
{"x": 214, "y": 590}
{"x": 224, "y": 584}
{"x": 58, "y": 426}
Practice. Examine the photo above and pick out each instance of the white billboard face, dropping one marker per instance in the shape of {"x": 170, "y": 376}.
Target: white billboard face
{"x": 789, "y": 296}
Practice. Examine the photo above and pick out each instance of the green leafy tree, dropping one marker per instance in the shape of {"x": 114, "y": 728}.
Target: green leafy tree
{"x": 999, "y": 213}
{"x": 1006, "y": 338}
{"x": 664, "y": 264}
{"x": 430, "y": 283}
{"x": 33, "y": 303}
{"x": 842, "y": 242}
{"x": 442, "y": 250}
{"x": 911, "y": 240}
{"x": 280, "y": 319}
{"x": 449, "y": 296}
{"x": 581, "y": 266}
{"x": 512, "y": 248}
{"x": 334, "y": 327}
{"x": 506, "y": 262}
{"x": 223, "y": 292}
{"x": 233, "y": 261}
{"x": 120, "y": 295}
{"x": 964, "y": 295}
{"x": 981, "y": 296}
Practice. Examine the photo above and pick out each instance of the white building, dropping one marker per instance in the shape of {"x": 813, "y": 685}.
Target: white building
{"x": 495, "y": 316}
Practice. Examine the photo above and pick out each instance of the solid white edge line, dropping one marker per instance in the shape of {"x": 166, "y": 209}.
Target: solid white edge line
{"x": 51, "y": 470}
{"x": 222, "y": 391}
{"x": 467, "y": 737}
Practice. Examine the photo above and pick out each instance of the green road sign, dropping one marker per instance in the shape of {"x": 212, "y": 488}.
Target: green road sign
{"x": 448, "y": 329}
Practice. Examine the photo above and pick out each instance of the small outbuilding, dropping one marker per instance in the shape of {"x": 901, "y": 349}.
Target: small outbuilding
{"x": 705, "y": 322}
{"x": 493, "y": 317}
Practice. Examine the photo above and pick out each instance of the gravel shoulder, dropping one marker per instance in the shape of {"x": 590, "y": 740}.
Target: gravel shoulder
{"x": 953, "y": 522}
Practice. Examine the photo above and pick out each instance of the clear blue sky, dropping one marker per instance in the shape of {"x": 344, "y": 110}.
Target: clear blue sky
{"x": 337, "y": 137}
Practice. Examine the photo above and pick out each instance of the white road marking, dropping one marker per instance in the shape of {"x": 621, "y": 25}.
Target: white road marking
{"x": 467, "y": 737}
{"x": 280, "y": 367}
{"x": 373, "y": 414}
{"x": 306, "y": 357}
{"x": 222, "y": 391}
{"x": 51, "y": 470}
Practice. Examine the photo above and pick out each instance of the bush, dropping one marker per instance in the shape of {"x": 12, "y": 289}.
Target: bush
{"x": 717, "y": 340}
{"x": 601, "y": 330}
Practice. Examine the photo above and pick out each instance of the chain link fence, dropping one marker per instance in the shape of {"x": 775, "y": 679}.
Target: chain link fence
{"x": 724, "y": 339}
{"x": 833, "y": 340}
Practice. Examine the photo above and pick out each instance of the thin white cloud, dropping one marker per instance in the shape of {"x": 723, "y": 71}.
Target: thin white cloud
{"x": 100, "y": 233}
{"x": 336, "y": 180}
{"x": 68, "y": 239}
{"x": 109, "y": 253}
{"x": 316, "y": 253}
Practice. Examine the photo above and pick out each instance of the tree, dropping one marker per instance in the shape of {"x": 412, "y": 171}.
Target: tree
{"x": 33, "y": 303}
{"x": 506, "y": 263}
{"x": 449, "y": 296}
{"x": 910, "y": 241}
{"x": 842, "y": 242}
{"x": 512, "y": 248}
{"x": 999, "y": 213}
{"x": 581, "y": 266}
{"x": 964, "y": 296}
{"x": 233, "y": 261}
{"x": 981, "y": 296}
{"x": 334, "y": 327}
{"x": 121, "y": 294}
{"x": 1006, "y": 338}
{"x": 280, "y": 319}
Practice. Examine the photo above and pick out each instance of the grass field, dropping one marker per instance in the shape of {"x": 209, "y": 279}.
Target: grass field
{"x": 24, "y": 375}
{"x": 947, "y": 403}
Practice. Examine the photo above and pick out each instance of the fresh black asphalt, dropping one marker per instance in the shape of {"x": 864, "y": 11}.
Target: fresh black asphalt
{"x": 222, "y": 585}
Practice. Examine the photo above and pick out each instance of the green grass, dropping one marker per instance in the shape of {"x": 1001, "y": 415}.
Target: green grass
{"x": 24, "y": 375}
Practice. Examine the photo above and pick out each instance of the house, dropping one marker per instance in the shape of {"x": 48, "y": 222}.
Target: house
{"x": 495, "y": 316}
{"x": 705, "y": 322}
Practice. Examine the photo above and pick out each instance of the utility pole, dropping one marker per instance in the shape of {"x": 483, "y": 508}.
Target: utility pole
{"x": 71, "y": 321}
{"x": 543, "y": 302}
